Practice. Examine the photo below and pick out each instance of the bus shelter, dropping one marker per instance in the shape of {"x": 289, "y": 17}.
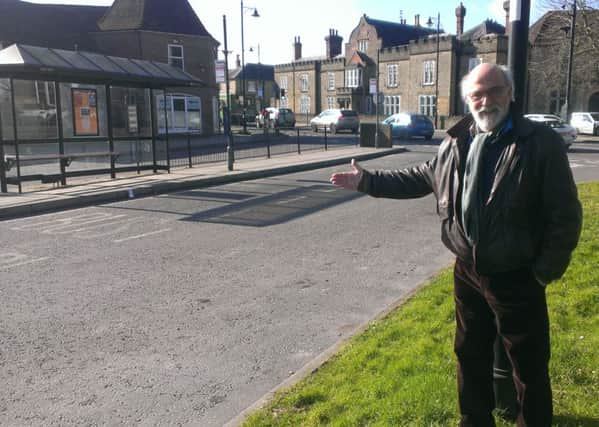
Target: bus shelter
{"x": 72, "y": 113}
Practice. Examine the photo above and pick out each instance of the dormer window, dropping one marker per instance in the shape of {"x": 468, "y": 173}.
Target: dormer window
{"x": 175, "y": 56}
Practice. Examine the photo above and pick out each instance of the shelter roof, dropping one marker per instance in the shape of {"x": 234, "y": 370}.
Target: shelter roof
{"x": 40, "y": 63}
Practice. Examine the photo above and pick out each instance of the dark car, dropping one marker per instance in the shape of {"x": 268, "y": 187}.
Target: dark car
{"x": 409, "y": 125}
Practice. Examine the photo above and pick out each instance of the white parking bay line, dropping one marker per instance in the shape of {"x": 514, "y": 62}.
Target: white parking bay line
{"x": 282, "y": 202}
{"x": 140, "y": 236}
{"x": 17, "y": 264}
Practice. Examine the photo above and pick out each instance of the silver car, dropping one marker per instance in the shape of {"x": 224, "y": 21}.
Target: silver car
{"x": 567, "y": 132}
{"x": 335, "y": 120}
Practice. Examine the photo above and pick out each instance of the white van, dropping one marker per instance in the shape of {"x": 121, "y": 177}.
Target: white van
{"x": 585, "y": 122}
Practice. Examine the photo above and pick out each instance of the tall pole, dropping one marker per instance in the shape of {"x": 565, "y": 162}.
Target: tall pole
{"x": 503, "y": 383}
{"x": 376, "y": 104}
{"x": 518, "y": 49}
{"x": 227, "y": 113}
{"x": 570, "y": 60}
{"x": 437, "y": 75}
{"x": 243, "y": 74}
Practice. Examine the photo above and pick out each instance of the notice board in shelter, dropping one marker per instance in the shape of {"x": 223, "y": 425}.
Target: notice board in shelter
{"x": 85, "y": 112}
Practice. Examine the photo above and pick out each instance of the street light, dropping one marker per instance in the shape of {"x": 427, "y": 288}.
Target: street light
{"x": 251, "y": 49}
{"x": 261, "y": 92}
{"x": 227, "y": 113}
{"x": 430, "y": 24}
{"x": 255, "y": 15}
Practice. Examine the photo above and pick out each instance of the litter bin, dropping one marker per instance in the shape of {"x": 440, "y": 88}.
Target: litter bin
{"x": 368, "y": 135}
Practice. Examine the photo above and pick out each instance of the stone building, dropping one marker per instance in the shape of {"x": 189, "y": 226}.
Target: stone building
{"x": 548, "y": 64}
{"x": 402, "y": 58}
{"x": 168, "y": 32}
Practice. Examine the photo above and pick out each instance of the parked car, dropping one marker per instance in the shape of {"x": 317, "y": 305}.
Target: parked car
{"x": 335, "y": 120}
{"x": 409, "y": 125}
{"x": 585, "y": 123}
{"x": 567, "y": 132}
{"x": 277, "y": 117}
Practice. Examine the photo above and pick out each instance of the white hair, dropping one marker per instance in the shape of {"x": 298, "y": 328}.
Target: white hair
{"x": 504, "y": 70}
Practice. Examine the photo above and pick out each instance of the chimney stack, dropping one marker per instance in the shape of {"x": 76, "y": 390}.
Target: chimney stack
{"x": 417, "y": 20}
{"x": 238, "y": 62}
{"x": 460, "y": 12}
{"x": 333, "y": 41}
{"x": 297, "y": 48}
{"x": 506, "y": 7}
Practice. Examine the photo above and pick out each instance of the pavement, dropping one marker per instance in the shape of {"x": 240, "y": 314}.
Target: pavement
{"x": 89, "y": 191}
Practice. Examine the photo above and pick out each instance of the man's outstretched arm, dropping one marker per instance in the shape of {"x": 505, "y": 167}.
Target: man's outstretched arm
{"x": 348, "y": 180}
{"x": 409, "y": 183}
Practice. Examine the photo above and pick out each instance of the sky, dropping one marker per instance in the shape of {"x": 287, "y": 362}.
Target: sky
{"x": 272, "y": 33}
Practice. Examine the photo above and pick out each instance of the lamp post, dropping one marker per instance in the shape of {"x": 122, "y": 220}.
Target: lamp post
{"x": 227, "y": 112}
{"x": 243, "y": 114}
{"x": 430, "y": 24}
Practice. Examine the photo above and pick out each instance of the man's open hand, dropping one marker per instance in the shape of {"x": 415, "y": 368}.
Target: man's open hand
{"x": 348, "y": 180}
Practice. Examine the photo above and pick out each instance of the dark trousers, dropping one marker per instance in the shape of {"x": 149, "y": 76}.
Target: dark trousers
{"x": 512, "y": 305}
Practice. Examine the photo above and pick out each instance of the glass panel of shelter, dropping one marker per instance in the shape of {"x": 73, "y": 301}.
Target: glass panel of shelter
{"x": 84, "y": 117}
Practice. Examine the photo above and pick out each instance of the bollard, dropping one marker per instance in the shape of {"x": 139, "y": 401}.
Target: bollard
{"x": 325, "y": 138}
{"x": 298, "y": 143}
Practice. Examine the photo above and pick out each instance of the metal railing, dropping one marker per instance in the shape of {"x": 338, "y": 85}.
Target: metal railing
{"x": 188, "y": 150}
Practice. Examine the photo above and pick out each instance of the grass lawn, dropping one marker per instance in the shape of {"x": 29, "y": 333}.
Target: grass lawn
{"x": 401, "y": 370}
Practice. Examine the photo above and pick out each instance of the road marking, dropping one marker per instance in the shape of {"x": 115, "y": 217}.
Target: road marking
{"x": 291, "y": 200}
{"x": 68, "y": 228}
{"x": 42, "y": 226}
{"x": 16, "y": 259}
{"x": 140, "y": 236}
{"x": 121, "y": 226}
{"x": 581, "y": 163}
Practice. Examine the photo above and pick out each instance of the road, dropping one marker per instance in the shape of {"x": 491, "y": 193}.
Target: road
{"x": 186, "y": 308}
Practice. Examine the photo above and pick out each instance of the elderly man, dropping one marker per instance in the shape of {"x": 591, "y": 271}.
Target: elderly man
{"x": 510, "y": 213}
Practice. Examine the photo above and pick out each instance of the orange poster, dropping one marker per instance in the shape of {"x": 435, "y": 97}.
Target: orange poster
{"x": 85, "y": 112}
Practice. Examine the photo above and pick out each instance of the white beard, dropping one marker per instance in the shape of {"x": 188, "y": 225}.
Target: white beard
{"x": 488, "y": 118}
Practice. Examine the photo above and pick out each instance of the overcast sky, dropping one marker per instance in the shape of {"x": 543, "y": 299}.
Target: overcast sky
{"x": 281, "y": 21}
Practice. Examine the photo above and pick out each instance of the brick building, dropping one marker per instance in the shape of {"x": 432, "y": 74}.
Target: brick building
{"x": 168, "y": 32}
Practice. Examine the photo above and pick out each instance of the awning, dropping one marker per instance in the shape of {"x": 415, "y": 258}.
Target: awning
{"x": 40, "y": 63}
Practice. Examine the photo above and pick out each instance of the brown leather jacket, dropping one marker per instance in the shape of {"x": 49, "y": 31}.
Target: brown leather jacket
{"x": 532, "y": 218}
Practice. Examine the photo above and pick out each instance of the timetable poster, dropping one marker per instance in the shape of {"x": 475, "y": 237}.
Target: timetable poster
{"x": 85, "y": 112}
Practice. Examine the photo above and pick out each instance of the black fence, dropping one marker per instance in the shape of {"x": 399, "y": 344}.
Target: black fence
{"x": 188, "y": 150}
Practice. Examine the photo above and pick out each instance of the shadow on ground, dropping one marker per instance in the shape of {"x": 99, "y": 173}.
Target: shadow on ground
{"x": 276, "y": 208}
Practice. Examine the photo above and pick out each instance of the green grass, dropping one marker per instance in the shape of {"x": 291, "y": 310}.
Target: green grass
{"x": 401, "y": 370}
